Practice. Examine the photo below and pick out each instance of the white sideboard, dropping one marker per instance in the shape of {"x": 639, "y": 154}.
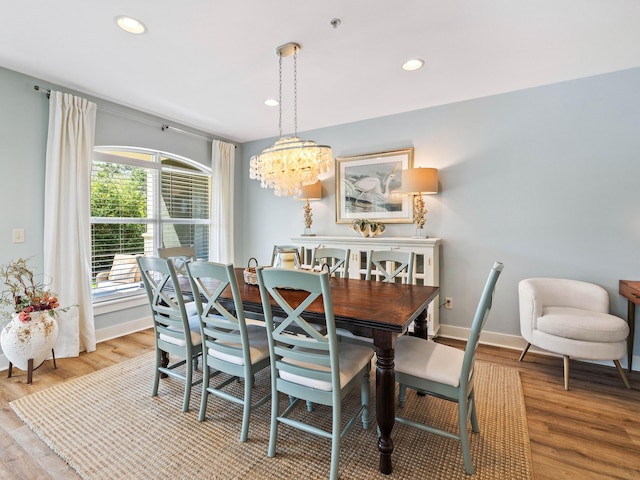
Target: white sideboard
{"x": 426, "y": 266}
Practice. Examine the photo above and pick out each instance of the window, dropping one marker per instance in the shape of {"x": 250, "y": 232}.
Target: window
{"x": 142, "y": 200}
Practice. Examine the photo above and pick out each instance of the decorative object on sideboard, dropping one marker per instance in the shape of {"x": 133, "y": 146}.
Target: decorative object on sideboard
{"x": 367, "y": 228}
{"x": 370, "y": 187}
{"x": 290, "y": 163}
{"x": 416, "y": 182}
{"x": 29, "y": 337}
{"x": 309, "y": 192}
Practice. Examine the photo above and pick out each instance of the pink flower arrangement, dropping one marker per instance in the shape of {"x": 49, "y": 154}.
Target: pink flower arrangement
{"x": 24, "y": 294}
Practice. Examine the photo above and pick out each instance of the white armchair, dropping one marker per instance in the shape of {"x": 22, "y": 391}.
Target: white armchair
{"x": 571, "y": 318}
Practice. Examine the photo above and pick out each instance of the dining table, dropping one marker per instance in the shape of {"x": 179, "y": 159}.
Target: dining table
{"x": 377, "y": 310}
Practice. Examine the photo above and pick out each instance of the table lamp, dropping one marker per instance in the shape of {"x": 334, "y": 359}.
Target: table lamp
{"x": 418, "y": 181}
{"x": 309, "y": 192}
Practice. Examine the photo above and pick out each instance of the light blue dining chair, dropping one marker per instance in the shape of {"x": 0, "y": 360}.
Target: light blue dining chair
{"x": 229, "y": 345}
{"x": 175, "y": 332}
{"x": 180, "y": 256}
{"x": 446, "y": 372}
{"x": 390, "y": 266}
{"x": 310, "y": 366}
{"x": 337, "y": 259}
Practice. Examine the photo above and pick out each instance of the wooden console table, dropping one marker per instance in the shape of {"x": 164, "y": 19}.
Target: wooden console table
{"x": 630, "y": 289}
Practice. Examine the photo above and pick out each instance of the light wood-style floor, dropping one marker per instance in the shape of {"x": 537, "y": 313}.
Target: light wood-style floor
{"x": 589, "y": 432}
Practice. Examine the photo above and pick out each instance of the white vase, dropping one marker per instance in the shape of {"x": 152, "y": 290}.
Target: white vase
{"x": 34, "y": 339}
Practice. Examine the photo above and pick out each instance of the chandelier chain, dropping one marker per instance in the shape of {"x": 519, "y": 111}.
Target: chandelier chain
{"x": 280, "y": 95}
{"x": 295, "y": 93}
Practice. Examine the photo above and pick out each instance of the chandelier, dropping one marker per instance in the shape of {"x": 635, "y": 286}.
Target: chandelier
{"x": 290, "y": 163}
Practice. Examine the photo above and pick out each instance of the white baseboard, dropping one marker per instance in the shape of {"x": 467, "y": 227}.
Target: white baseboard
{"x": 123, "y": 329}
{"x": 516, "y": 342}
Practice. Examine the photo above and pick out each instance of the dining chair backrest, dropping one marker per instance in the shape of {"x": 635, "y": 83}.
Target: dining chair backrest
{"x": 477, "y": 324}
{"x": 337, "y": 259}
{"x": 229, "y": 345}
{"x": 389, "y": 265}
{"x": 445, "y": 372}
{"x": 308, "y": 346}
{"x": 167, "y": 303}
{"x": 222, "y": 330}
{"x": 171, "y": 324}
{"x": 180, "y": 256}
{"x": 308, "y": 365}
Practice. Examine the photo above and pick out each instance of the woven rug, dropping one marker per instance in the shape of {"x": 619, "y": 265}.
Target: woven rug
{"x": 106, "y": 425}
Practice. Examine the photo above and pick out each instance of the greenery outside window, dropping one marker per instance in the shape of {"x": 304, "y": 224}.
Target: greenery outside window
{"x": 142, "y": 200}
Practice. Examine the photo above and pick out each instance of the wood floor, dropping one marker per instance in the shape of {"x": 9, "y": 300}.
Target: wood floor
{"x": 589, "y": 432}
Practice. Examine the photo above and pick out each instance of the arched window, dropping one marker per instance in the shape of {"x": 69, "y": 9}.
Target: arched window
{"x": 141, "y": 200}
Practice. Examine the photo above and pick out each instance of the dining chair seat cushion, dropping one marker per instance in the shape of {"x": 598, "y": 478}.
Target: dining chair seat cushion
{"x": 429, "y": 360}
{"x": 196, "y": 339}
{"x": 586, "y": 325}
{"x": 258, "y": 347}
{"x": 352, "y": 359}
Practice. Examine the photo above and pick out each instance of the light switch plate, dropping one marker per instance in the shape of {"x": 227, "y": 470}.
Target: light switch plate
{"x": 18, "y": 235}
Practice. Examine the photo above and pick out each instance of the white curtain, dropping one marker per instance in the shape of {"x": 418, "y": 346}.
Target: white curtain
{"x": 222, "y": 167}
{"x": 67, "y": 218}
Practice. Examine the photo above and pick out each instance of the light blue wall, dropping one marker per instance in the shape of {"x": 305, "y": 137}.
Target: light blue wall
{"x": 545, "y": 180}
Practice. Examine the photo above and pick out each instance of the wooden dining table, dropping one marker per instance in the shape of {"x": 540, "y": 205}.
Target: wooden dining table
{"x": 376, "y": 310}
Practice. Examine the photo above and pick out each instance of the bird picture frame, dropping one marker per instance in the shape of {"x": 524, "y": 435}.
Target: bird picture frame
{"x": 369, "y": 187}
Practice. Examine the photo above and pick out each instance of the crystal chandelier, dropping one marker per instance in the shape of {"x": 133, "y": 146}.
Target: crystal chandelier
{"x": 290, "y": 163}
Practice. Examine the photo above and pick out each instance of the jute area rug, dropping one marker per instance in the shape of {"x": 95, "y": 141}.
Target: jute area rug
{"x": 106, "y": 425}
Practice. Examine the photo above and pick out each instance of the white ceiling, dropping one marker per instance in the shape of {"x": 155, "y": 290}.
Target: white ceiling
{"x": 211, "y": 64}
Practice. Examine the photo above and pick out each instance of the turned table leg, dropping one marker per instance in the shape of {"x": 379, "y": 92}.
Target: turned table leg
{"x": 420, "y": 326}
{"x": 385, "y": 396}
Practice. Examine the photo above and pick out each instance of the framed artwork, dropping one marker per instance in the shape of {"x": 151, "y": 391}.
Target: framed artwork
{"x": 370, "y": 187}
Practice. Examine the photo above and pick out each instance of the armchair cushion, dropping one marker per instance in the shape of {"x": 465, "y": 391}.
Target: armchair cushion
{"x": 578, "y": 324}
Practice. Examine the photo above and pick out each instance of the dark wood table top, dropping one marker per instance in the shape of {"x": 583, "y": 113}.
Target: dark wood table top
{"x": 358, "y": 303}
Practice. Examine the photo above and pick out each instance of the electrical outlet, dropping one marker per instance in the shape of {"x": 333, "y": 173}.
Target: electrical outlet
{"x": 448, "y": 303}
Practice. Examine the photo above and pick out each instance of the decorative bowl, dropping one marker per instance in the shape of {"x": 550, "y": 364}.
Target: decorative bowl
{"x": 367, "y": 229}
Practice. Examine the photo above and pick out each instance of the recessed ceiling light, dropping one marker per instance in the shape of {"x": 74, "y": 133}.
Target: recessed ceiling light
{"x": 412, "y": 64}
{"x": 130, "y": 24}
{"x": 271, "y": 102}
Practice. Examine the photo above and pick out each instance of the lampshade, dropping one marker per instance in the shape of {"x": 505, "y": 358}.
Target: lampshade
{"x": 311, "y": 192}
{"x": 290, "y": 163}
{"x": 420, "y": 180}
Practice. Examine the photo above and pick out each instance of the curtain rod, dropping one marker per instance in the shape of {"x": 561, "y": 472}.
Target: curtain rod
{"x": 163, "y": 126}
